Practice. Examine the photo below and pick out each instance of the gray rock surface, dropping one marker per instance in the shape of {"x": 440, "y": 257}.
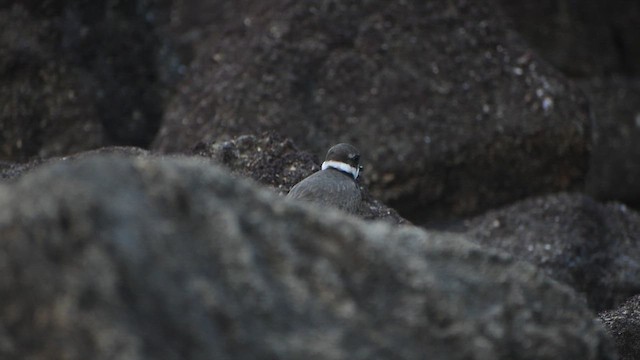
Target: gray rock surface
{"x": 115, "y": 258}
{"x": 593, "y": 247}
{"x": 623, "y": 323}
{"x": 441, "y": 97}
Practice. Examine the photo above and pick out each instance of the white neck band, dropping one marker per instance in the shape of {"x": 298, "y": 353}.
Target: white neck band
{"x": 342, "y": 167}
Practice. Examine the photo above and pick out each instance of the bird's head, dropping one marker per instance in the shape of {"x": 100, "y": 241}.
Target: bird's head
{"x": 345, "y": 158}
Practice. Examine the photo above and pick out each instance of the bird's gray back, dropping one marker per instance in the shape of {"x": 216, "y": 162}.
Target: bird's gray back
{"x": 329, "y": 188}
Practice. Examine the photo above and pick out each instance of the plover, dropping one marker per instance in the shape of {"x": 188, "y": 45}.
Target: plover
{"x": 335, "y": 185}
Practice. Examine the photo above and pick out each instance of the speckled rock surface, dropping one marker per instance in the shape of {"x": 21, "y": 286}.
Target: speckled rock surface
{"x": 440, "y": 95}
{"x": 119, "y": 258}
{"x": 593, "y": 247}
{"x": 623, "y": 323}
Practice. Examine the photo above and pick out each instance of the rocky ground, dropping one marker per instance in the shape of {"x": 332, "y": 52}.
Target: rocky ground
{"x": 145, "y": 147}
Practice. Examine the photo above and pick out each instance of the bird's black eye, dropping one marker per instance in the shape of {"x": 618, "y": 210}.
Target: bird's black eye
{"x": 355, "y": 158}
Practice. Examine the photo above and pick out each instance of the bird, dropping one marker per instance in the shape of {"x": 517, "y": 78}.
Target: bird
{"x": 335, "y": 184}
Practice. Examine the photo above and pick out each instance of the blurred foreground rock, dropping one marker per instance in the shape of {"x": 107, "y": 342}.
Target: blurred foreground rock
{"x": 112, "y": 257}
{"x": 593, "y": 247}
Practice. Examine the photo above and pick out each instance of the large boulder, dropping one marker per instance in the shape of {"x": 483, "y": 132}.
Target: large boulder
{"x": 111, "y": 257}
{"x": 440, "y": 97}
{"x": 623, "y": 323}
{"x": 593, "y": 247}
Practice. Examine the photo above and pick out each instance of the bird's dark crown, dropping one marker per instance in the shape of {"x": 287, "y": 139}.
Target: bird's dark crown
{"x": 345, "y": 158}
{"x": 344, "y": 153}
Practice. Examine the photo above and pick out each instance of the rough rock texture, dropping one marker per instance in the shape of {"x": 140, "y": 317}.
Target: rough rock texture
{"x": 615, "y": 162}
{"x": 582, "y": 38}
{"x": 593, "y": 247}
{"x": 113, "y": 258}
{"x": 276, "y": 162}
{"x": 77, "y": 75}
{"x": 439, "y": 95}
{"x": 623, "y": 324}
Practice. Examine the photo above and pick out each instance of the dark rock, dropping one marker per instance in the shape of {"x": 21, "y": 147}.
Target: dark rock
{"x": 439, "y": 95}
{"x": 276, "y": 162}
{"x": 593, "y": 247}
{"x": 623, "y": 324}
{"x": 615, "y": 161}
{"x": 108, "y": 257}
{"x": 582, "y": 38}
{"x": 77, "y": 75}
